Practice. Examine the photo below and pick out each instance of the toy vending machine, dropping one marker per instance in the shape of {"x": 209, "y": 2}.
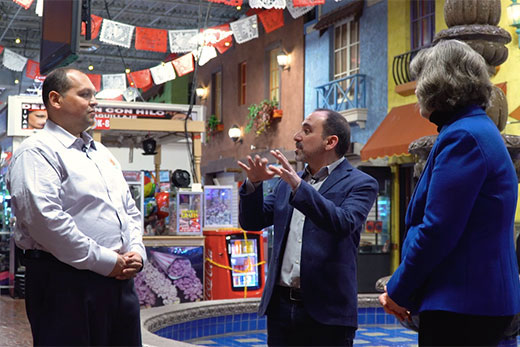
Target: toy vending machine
{"x": 234, "y": 264}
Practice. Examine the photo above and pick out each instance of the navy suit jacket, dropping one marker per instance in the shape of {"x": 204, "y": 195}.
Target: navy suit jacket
{"x": 459, "y": 254}
{"x": 334, "y": 217}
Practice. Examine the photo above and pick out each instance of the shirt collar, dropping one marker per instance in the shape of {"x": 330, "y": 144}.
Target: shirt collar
{"x": 322, "y": 173}
{"x": 67, "y": 139}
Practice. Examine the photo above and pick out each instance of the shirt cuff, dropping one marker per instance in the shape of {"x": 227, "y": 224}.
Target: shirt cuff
{"x": 106, "y": 261}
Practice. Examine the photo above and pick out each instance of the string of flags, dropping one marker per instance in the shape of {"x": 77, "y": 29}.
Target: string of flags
{"x": 200, "y": 46}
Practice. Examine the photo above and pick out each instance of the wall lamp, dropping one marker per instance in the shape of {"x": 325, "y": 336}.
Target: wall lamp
{"x": 513, "y": 14}
{"x": 284, "y": 60}
{"x": 201, "y": 92}
{"x": 235, "y": 134}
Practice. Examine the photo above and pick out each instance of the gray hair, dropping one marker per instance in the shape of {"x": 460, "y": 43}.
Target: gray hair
{"x": 450, "y": 75}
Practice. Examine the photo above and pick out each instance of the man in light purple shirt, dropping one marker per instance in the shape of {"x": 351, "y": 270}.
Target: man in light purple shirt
{"x": 77, "y": 225}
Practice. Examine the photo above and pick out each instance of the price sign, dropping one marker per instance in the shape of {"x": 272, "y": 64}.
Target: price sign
{"x": 102, "y": 123}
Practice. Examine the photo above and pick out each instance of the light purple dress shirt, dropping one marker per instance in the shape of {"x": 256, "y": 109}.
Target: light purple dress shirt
{"x": 70, "y": 199}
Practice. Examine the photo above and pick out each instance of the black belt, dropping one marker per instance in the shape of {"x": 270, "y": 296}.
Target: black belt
{"x": 293, "y": 294}
{"x": 38, "y": 254}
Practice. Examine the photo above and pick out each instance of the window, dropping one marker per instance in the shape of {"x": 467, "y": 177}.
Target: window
{"x": 422, "y": 20}
{"x": 242, "y": 82}
{"x": 346, "y": 49}
{"x": 216, "y": 95}
{"x": 274, "y": 75}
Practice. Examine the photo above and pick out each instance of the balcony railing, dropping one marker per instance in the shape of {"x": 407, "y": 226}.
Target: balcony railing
{"x": 342, "y": 94}
{"x": 401, "y": 66}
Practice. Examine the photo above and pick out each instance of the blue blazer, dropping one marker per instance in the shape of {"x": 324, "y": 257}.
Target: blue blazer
{"x": 459, "y": 253}
{"x": 331, "y": 232}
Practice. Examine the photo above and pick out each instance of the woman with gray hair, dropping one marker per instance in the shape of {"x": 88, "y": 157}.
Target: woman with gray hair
{"x": 458, "y": 270}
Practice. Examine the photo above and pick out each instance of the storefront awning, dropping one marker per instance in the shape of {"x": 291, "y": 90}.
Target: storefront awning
{"x": 402, "y": 125}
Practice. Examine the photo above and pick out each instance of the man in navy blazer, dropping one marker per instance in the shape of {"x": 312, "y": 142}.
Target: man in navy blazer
{"x": 310, "y": 297}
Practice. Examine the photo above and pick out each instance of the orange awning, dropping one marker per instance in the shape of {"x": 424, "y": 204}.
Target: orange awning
{"x": 401, "y": 126}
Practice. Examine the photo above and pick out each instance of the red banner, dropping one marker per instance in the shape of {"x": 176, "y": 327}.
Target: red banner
{"x": 184, "y": 65}
{"x": 96, "y": 80}
{"x": 140, "y": 79}
{"x": 95, "y": 26}
{"x": 24, "y": 3}
{"x": 302, "y": 3}
{"x": 271, "y": 19}
{"x": 220, "y": 37}
{"x": 32, "y": 69}
{"x": 1, "y": 49}
{"x": 148, "y": 39}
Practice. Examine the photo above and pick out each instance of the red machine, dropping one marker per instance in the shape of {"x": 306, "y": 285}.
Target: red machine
{"x": 234, "y": 265}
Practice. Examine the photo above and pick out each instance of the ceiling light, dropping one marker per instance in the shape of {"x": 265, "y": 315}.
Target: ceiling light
{"x": 17, "y": 40}
{"x": 91, "y": 67}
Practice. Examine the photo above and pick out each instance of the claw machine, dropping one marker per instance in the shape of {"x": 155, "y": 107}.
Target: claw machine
{"x": 235, "y": 266}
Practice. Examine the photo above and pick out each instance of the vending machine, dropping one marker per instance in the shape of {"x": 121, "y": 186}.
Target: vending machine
{"x": 234, "y": 264}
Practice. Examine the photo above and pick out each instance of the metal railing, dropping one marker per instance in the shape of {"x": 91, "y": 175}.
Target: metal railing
{"x": 401, "y": 66}
{"x": 342, "y": 94}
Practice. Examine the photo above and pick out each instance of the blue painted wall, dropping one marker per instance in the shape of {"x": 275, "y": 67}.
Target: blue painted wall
{"x": 373, "y": 47}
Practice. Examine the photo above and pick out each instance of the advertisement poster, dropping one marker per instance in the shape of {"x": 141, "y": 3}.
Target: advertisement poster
{"x": 171, "y": 275}
{"x": 189, "y": 213}
{"x": 34, "y": 116}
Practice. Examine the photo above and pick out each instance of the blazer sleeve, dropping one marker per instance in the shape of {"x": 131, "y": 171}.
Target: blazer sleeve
{"x": 342, "y": 210}
{"x": 458, "y": 174}
{"x": 255, "y": 210}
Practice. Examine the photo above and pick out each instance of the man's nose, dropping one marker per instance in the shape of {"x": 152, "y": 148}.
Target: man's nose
{"x": 297, "y": 136}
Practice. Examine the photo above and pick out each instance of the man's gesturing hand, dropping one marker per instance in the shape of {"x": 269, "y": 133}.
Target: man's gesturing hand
{"x": 286, "y": 172}
{"x": 257, "y": 170}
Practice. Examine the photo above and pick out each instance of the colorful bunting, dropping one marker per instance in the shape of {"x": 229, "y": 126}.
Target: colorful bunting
{"x": 245, "y": 29}
{"x": 24, "y": 3}
{"x": 184, "y": 65}
{"x": 33, "y": 69}
{"x": 95, "y": 26}
{"x": 148, "y": 39}
{"x": 140, "y": 79}
{"x": 1, "y": 49}
{"x": 300, "y": 3}
{"x": 13, "y": 61}
{"x": 267, "y": 4}
{"x": 183, "y": 40}
{"x": 96, "y": 80}
{"x": 297, "y": 12}
{"x": 162, "y": 73}
{"x": 206, "y": 54}
{"x": 228, "y": 2}
{"x": 130, "y": 94}
{"x": 116, "y": 33}
{"x": 271, "y": 19}
{"x": 220, "y": 37}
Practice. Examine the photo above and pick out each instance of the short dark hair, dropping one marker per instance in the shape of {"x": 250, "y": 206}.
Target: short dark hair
{"x": 336, "y": 124}
{"x": 56, "y": 81}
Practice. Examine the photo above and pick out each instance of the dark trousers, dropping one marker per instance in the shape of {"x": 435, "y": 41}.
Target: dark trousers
{"x": 289, "y": 324}
{"x": 442, "y": 328}
{"x": 70, "y": 307}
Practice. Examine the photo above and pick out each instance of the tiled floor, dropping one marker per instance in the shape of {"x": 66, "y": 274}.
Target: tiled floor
{"x": 366, "y": 336}
{"x": 14, "y": 326}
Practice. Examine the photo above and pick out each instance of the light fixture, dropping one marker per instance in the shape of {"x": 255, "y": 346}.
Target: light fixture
{"x": 149, "y": 145}
{"x": 235, "y": 134}
{"x": 201, "y": 92}
{"x": 239, "y": 8}
{"x": 91, "y": 67}
{"x": 17, "y": 40}
{"x": 513, "y": 14}
{"x": 284, "y": 60}
{"x": 127, "y": 70}
{"x": 16, "y": 81}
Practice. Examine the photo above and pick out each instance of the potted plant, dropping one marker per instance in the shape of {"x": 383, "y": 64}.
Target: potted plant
{"x": 214, "y": 125}
{"x": 261, "y": 116}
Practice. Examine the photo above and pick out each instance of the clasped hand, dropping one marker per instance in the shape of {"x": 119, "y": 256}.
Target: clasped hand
{"x": 127, "y": 266}
{"x": 391, "y": 307}
{"x": 258, "y": 170}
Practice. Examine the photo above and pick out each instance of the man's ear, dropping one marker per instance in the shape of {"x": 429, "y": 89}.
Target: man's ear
{"x": 332, "y": 142}
{"x": 55, "y": 99}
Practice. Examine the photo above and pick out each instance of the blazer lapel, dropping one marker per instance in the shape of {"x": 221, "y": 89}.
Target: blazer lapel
{"x": 342, "y": 171}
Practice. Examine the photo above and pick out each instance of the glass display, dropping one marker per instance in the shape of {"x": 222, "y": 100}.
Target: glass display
{"x": 218, "y": 206}
{"x": 375, "y": 238}
{"x": 243, "y": 259}
{"x": 189, "y": 213}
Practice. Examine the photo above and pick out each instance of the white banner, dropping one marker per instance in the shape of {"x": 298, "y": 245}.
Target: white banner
{"x": 114, "y": 81}
{"x": 116, "y": 33}
{"x": 130, "y": 94}
{"x": 280, "y": 4}
{"x": 13, "y": 61}
{"x": 163, "y": 73}
{"x": 245, "y": 29}
{"x": 183, "y": 40}
{"x": 297, "y": 12}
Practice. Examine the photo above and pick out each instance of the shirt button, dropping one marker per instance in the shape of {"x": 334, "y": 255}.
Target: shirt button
{"x": 297, "y": 262}
{"x": 299, "y": 240}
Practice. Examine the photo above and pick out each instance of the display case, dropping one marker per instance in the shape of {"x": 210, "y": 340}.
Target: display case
{"x": 218, "y": 206}
{"x": 188, "y": 212}
{"x": 174, "y": 272}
